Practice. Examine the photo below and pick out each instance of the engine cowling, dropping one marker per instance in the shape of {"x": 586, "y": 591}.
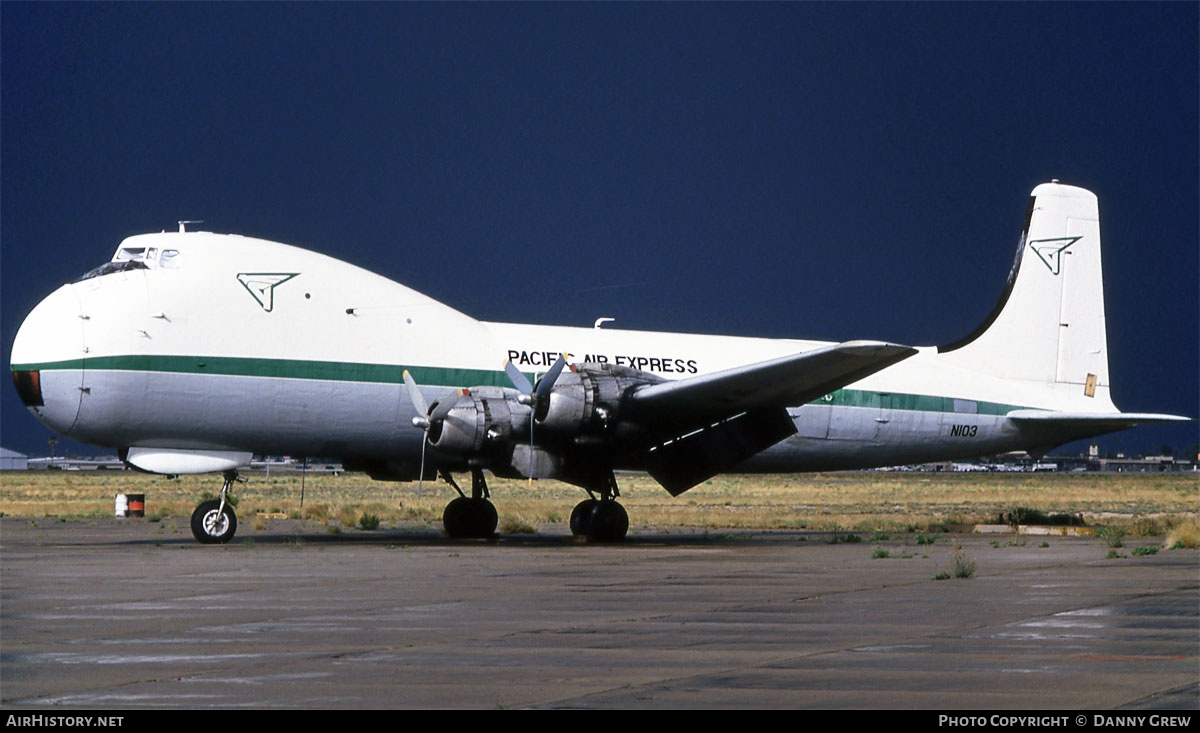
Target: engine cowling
{"x": 482, "y": 421}
{"x": 586, "y": 400}
{"x": 490, "y": 426}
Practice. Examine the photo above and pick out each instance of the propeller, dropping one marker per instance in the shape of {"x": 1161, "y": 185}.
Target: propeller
{"x": 536, "y": 396}
{"x": 426, "y": 418}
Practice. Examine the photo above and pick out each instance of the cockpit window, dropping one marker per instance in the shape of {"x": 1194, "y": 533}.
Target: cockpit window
{"x": 136, "y": 258}
{"x": 149, "y": 255}
{"x": 109, "y": 268}
{"x": 126, "y": 254}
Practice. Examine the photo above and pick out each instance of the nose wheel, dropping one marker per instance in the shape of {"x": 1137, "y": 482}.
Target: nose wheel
{"x": 214, "y": 522}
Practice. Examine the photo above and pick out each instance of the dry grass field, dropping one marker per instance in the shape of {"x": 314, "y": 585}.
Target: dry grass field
{"x": 1141, "y": 504}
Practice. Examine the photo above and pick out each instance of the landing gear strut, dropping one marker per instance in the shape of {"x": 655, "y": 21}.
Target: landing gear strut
{"x": 603, "y": 519}
{"x": 471, "y": 517}
{"x": 213, "y": 522}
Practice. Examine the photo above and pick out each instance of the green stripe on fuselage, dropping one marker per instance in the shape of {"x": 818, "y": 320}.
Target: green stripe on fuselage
{"x": 917, "y": 402}
{"x": 341, "y": 371}
{"x": 235, "y": 366}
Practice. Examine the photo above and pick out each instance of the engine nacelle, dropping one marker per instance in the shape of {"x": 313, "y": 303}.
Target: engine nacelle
{"x": 586, "y": 400}
{"x": 490, "y": 426}
{"x": 483, "y": 420}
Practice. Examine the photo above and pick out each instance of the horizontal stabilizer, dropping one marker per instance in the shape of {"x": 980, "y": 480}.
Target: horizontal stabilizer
{"x": 788, "y": 381}
{"x": 1110, "y": 420}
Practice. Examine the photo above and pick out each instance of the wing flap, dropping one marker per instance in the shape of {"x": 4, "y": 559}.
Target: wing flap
{"x": 788, "y": 381}
{"x": 682, "y": 463}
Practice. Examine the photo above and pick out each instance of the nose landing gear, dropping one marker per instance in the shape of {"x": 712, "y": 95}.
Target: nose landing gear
{"x": 214, "y": 522}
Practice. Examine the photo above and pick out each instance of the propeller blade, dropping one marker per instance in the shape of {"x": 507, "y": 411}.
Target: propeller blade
{"x": 443, "y": 405}
{"x": 422, "y": 407}
{"x": 517, "y": 378}
{"x": 421, "y": 475}
{"x": 415, "y": 396}
{"x": 546, "y": 383}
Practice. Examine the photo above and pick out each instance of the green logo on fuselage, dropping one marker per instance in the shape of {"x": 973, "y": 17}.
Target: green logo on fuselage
{"x": 261, "y": 285}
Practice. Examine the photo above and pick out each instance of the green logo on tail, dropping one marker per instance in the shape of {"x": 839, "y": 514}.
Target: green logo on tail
{"x": 1050, "y": 251}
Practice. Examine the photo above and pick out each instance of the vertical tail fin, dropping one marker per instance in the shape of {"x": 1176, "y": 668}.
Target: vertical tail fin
{"x": 1048, "y": 327}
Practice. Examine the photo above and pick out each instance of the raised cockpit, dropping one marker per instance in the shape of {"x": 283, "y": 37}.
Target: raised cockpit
{"x": 129, "y": 257}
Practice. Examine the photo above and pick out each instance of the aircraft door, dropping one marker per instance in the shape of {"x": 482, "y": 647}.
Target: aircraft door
{"x": 855, "y": 416}
{"x": 114, "y": 314}
{"x": 812, "y": 420}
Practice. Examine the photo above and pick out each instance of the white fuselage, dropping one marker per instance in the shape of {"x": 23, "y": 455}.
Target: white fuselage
{"x": 225, "y": 342}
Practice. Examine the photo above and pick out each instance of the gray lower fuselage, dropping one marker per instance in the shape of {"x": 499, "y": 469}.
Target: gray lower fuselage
{"x": 373, "y": 421}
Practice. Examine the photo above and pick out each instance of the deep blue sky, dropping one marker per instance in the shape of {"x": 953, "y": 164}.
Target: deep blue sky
{"x": 791, "y": 170}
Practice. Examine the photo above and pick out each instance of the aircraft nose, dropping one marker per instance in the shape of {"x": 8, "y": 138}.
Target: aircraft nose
{"x": 47, "y": 360}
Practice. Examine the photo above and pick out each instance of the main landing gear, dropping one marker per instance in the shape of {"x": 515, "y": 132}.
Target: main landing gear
{"x": 600, "y": 519}
{"x": 603, "y": 519}
{"x": 471, "y": 517}
{"x": 213, "y": 522}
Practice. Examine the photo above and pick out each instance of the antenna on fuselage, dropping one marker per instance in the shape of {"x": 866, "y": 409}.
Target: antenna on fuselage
{"x": 184, "y": 222}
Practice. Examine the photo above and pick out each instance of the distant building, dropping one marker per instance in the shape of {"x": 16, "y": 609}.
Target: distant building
{"x": 1020, "y": 461}
{"x": 10, "y": 460}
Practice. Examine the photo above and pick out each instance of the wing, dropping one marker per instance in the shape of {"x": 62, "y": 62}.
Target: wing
{"x": 709, "y": 423}
{"x": 785, "y": 382}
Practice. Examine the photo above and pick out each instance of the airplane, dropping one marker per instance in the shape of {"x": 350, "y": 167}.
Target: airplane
{"x": 190, "y": 351}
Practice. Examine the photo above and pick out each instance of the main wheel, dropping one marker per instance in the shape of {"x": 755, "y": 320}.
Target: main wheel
{"x": 210, "y": 526}
{"x": 581, "y": 516}
{"x": 483, "y": 519}
{"x": 609, "y": 522}
{"x": 469, "y": 518}
{"x": 455, "y": 517}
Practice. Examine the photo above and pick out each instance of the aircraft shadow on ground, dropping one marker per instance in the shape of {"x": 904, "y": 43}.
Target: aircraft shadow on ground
{"x": 435, "y": 538}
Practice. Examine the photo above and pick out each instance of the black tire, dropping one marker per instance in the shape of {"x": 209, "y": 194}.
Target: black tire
{"x": 484, "y": 518}
{"x": 455, "y": 517}
{"x": 609, "y": 522}
{"x": 581, "y": 517}
{"x": 209, "y": 528}
{"x": 466, "y": 518}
